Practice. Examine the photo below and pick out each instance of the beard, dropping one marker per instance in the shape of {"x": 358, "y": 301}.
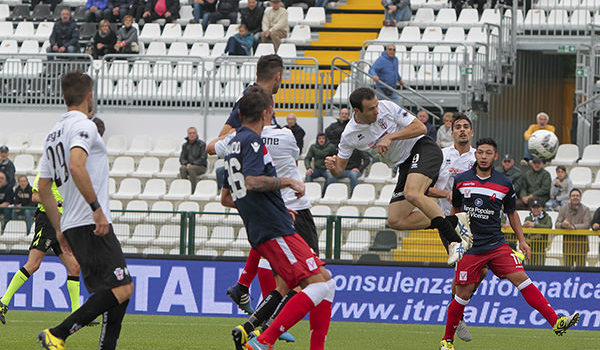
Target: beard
{"x": 484, "y": 168}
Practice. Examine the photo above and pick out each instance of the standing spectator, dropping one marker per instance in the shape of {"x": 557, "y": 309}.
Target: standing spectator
{"x": 542, "y": 124}
{"x": 538, "y": 242}
{"x": 396, "y": 11}
{"x": 385, "y": 70}
{"x": 65, "y": 35}
{"x": 297, "y": 130}
{"x": 104, "y": 40}
{"x": 192, "y": 158}
{"x": 7, "y": 166}
{"x": 252, "y": 17}
{"x": 166, "y": 9}
{"x": 6, "y": 198}
{"x": 23, "y": 198}
{"x": 117, "y": 9}
{"x": 318, "y": 151}
{"x": 275, "y": 24}
{"x": 574, "y": 216}
{"x": 226, "y": 9}
{"x": 444, "y": 133}
{"x": 241, "y": 43}
{"x": 535, "y": 185}
{"x": 562, "y": 186}
{"x": 202, "y": 11}
{"x": 127, "y": 37}
{"x": 95, "y": 9}
{"x": 334, "y": 130}
{"x": 509, "y": 170}
{"x": 358, "y": 162}
{"x": 424, "y": 118}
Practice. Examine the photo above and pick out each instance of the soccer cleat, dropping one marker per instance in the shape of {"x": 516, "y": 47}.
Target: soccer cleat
{"x": 254, "y": 344}
{"x": 3, "y": 311}
{"x": 565, "y": 322}
{"x": 49, "y": 341}
{"x": 455, "y": 252}
{"x": 463, "y": 228}
{"x": 240, "y": 337}
{"x": 463, "y": 332}
{"x": 446, "y": 344}
{"x": 240, "y": 298}
{"x": 287, "y": 337}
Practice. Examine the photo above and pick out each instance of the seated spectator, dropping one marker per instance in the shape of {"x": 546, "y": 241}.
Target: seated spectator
{"x": 358, "y": 162}
{"x": 166, "y": 9}
{"x": 297, "y": 130}
{"x": 252, "y": 17}
{"x": 95, "y": 10}
{"x": 538, "y": 242}
{"x": 241, "y": 43}
{"x": 288, "y": 3}
{"x": 574, "y": 216}
{"x": 192, "y": 158}
{"x": 396, "y": 11}
{"x": 137, "y": 10}
{"x": 7, "y": 166}
{"x": 65, "y": 35}
{"x": 317, "y": 152}
{"x": 541, "y": 124}
{"x": 127, "y": 37}
{"x": 535, "y": 185}
{"x": 424, "y": 118}
{"x": 226, "y": 9}
{"x": 444, "y": 133}
{"x": 385, "y": 70}
{"x": 23, "y": 198}
{"x": 6, "y": 199}
{"x": 275, "y": 24}
{"x": 117, "y": 9}
{"x": 334, "y": 130}
{"x": 202, "y": 11}
{"x": 104, "y": 40}
{"x": 562, "y": 186}
{"x": 509, "y": 170}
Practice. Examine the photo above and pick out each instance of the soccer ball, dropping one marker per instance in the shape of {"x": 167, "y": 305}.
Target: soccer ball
{"x": 543, "y": 144}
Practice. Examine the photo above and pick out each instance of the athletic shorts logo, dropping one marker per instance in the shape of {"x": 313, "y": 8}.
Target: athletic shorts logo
{"x": 462, "y": 276}
{"x": 48, "y": 243}
{"x": 119, "y": 273}
{"x": 312, "y": 265}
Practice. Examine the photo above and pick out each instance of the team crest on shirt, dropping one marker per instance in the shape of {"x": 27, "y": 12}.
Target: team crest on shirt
{"x": 467, "y": 193}
{"x": 119, "y": 273}
{"x": 478, "y": 202}
{"x": 381, "y": 123}
{"x": 462, "y": 276}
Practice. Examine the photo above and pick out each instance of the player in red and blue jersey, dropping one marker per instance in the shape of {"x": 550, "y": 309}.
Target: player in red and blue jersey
{"x": 253, "y": 188}
{"x": 483, "y": 193}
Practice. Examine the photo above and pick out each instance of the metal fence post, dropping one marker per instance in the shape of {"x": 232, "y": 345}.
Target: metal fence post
{"x": 191, "y": 232}
{"x": 338, "y": 237}
{"x": 182, "y": 232}
{"x": 329, "y": 237}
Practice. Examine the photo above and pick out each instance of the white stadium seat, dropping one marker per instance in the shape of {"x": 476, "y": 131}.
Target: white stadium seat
{"x": 241, "y": 242}
{"x": 388, "y": 34}
{"x": 122, "y": 232}
{"x": 159, "y": 218}
{"x": 192, "y": 34}
{"x": 423, "y": 17}
{"x": 122, "y": 167}
{"x": 171, "y": 32}
{"x": 24, "y": 164}
{"x": 148, "y": 167}
{"x": 581, "y": 177}
{"x": 24, "y": 31}
{"x": 468, "y": 18}
{"x": 128, "y": 189}
{"x": 301, "y": 34}
{"x": 220, "y": 237}
{"x": 179, "y": 190}
{"x": 590, "y": 156}
{"x": 170, "y": 168}
{"x": 154, "y": 189}
{"x": 150, "y": 32}
{"x": 373, "y": 224}
{"x": 142, "y": 235}
{"x": 321, "y": 210}
{"x": 379, "y": 173}
{"x": 315, "y": 17}
{"x": 214, "y": 33}
{"x": 348, "y": 223}
{"x": 335, "y": 193}
{"x": 212, "y": 219}
{"x": 357, "y": 241}
{"x": 591, "y": 199}
{"x": 116, "y": 145}
{"x": 168, "y": 236}
{"x": 206, "y": 190}
{"x": 385, "y": 195}
{"x": 295, "y": 15}
{"x": 363, "y": 194}
{"x": 446, "y": 17}
{"x": 132, "y": 217}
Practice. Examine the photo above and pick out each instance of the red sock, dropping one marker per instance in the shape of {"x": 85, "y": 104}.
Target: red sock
{"x": 320, "y": 317}
{"x": 455, "y": 312}
{"x": 266, "y": 280}
{"x": 536, "y": 300}
{"x": 298, "y": 306}
{"x": 250, "y": 269}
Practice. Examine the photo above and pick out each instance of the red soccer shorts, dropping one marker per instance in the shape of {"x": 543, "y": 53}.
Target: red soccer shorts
{"x": 291, "y": 258}
{"x": 502, "y": 261}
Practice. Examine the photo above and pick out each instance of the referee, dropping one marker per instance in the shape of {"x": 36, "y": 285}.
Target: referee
{"x": 75, "y": 159}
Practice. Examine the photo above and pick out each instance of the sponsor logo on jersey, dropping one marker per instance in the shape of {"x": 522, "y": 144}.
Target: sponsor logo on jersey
{"x": 478, "y": 202}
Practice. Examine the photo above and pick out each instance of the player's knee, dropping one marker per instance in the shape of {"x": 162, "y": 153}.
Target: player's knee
{"x": 395, "y": 222}
{"x": 412, "y": 196}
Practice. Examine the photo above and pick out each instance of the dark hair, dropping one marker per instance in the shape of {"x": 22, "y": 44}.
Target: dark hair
{"x": 487, "y": 141}
{"x": 460, "y": 116}
{"x": 268, "y": 66}
{"x": 75, "y": 86}
{"x": 253, "y": 103}
{"x": 359, "y": 95}
{"x": 575, "y": 190}
{"x": 561, "y": 167}
{"x": 243, "y": 25}
{"x": 99, "y": 125}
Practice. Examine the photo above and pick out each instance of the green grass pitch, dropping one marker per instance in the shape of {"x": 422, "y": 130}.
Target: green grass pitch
{"x": 145, "y": 332}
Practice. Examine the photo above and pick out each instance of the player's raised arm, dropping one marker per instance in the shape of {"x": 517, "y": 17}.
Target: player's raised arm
{"x": 414, "y": 129}
{"x": 335, "y": 165}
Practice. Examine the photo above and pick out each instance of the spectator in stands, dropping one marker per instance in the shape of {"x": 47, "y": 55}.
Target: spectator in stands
{"x": 358, "y": 162}
{"x": 252, "y": 17}
{"x": 117, "y": 9}
{"x": 166, "y": 9}
{"x": 275, "y": 24}
{"x": 52, "y": 3}
{"x": 127, "y": 37}
{"x": 509, "y": 170}
{"x": 104, "y": 40}
{"x": 192, "y": 158}
{"x": 535, "y": 185}
{"x": 309, "y": 3}
{"x": 318, "y": 151}
{"x": 334, "y": 130}
{"x": 574, "y": 216}
{"x": 562, "y": 186}
{"x": 226, "y": 9}
{"x": 202, "y": 11}
{"x": 596, "y": 220}
{"x": 396, "y": 11}
{"x": 424, "y": 118}
{"x": 95, "y": 9}
{"x": 538, "y": 242}
{"x": 23, "y": 194}
{"x": 241, "y": 43}
{"x": 6, "y": 198}
{"x": 65, "y": 35}
{"x": 296, "y": 130}
{"x": 385, "y": 70}
{"x": 137, "y": 10}
{"x": 323, "y": 3}
{"x": 7, "y": 166}
{"x": 444, "y": 133}
{"x": 542, "y": 124}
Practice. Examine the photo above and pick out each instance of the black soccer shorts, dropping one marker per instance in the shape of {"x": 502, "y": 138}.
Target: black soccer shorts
{"x": 44, "y": 236}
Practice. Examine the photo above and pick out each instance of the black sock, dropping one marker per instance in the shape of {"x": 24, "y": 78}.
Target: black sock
{"x": 112, "y": 319}
{"x": 73, "y": 278}
{"x": 284, "y": 301}
{"x": 453, "y": 220}
{"x": 94, "y": 306}
{"x": 243, "y": 288}
{"x": 25, "y": 272}
{"x": 445, "y": 229}
{"x": 263, "y": 311}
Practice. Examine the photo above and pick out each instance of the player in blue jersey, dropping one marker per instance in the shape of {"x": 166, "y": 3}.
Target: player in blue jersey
{"x": 482, "y": 192}
{"x": 253, "y": 188}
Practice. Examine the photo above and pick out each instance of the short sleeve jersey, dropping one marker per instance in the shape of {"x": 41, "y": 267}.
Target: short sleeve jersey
{"x": 365, "y": 137}
{"x": 75, "y": 130}
{"x": 55, "y": 193}
{"x": 453, "y": 164}
{"x": 264, "y": 213}
{"x": 484, "y": 200}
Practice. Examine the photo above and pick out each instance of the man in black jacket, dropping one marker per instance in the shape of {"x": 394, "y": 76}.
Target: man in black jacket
{"x": 192, "y": 158}
{"x": 252, "y": 18}
{"x": 65, "y": 35}
{"x": 167, "y": 9}
{"x": 334, "y": 130}
{"x": 7, "y": 166}
{"x": 7, "y": 197}
{"x": 297, "y": 131}
{"x": 226, "y": 9}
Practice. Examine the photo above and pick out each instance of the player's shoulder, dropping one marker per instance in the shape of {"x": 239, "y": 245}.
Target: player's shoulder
{"x": 390, "y": 110}
{"x": 501, "y": 179}
{"x": 465, "y": 176}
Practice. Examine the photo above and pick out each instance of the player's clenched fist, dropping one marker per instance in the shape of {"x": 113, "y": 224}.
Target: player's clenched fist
{"x": 298, "y": 187}
{"x": 331, "y": 162}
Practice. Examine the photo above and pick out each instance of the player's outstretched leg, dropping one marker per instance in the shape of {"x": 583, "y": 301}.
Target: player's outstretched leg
{"x": 239, "y": 292}
{"x": 112, "y": 321}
